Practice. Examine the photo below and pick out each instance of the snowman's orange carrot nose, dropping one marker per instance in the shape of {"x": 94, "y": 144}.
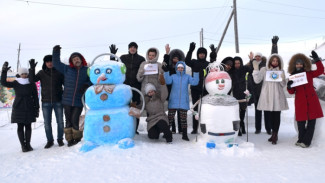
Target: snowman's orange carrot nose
{"x": 102, "y": 77}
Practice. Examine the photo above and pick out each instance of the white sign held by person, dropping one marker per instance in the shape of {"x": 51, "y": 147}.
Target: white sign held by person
{"x": 298, "y": 79}
{"x": 150, "y": 69}
{"x": 274, "y": 76}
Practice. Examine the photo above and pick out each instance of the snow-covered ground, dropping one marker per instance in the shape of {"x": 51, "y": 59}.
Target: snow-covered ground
{"x": 155, "y": 161}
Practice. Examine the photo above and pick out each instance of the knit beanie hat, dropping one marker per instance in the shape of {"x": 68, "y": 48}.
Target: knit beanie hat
{"x": 258, "y": 54}
{"x": 180, "y": 65}
{"x": 133, "y": 44}
{"x": 22, "y": 70}
{"x": 149, "y": 87}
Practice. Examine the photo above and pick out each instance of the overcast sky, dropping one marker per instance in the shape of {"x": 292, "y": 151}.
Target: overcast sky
{"x": 41, "y": 24}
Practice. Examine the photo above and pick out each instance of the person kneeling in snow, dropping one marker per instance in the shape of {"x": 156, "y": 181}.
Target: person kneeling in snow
{"x": 157, "y": 120}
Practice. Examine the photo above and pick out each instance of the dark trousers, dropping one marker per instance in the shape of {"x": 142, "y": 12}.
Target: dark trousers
{"x": 24, "y": 132}
{"x": 306, "y": 133}
{"x": 161, "y": 126}
{"x": 272, "y": 120}
{"x": 72, "y": 114}
{"x": 195, "y": 97}
{"x": 258, "y": 118}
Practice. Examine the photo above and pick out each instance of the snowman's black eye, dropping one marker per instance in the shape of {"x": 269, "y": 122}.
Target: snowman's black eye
{"x": 217, "y": 81}
{"x": 108, "y": 71}
{"x": 97, "y": 71}
{"x": 222, "y": 81}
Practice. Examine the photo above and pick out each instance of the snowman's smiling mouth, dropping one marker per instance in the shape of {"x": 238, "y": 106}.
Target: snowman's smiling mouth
{"x": 221, "y": 86}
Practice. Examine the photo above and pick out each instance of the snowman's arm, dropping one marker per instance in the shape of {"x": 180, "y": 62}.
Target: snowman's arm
{"x": 195, "y": 79}
{"x": 258, "y": 76}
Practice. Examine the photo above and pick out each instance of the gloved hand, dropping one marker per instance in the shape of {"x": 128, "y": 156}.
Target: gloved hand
{"x": 57, "y": 48}
{"x": 5, "y": 67}
{"x": 113, "y": 49}
{"x": 165, "y": 66}
{"x": 213, "y": 54}
{"x": 203, "y": 128}
{"x": 290, "y": 82}
{"x": 192, "y": 47}
{"x": 255, "y": 65}
{"x": 32, "y": 64}
{"x": 314, "y": 56}
{"x": 275, "y": 40}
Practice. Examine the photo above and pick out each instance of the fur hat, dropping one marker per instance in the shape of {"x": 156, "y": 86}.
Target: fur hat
{"x": 76, "y": 54}
{"x": 258, "y": 54}
{"x": 22, "y": 70}
{"x": 47, "y": 58}
{"x": 149, "y": 87}
{"x": 133, "y": 44}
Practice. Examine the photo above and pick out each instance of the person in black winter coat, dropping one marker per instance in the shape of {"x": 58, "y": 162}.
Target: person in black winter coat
{"x": 228, "y": 65}
{"x": 239, "y": 86}
{"x": 132, "y": 62}
{"x": 201, "y": 65}
{"x": 51, "y": 84}
{"x": 25, "y": 108}
{"x": 169, "y": 63}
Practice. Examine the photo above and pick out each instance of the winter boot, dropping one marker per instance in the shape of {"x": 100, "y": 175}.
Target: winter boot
{"x": 21, "y": 138}
{"x": 242, "y": 127}
{"x": 275, "y": 137}
{"x": 28, "y": 146}
{"x": 239, "y": 132}
{"x": 184, "y": 133}
{"x": 49, "y": 144}
{"x": 60, "y": 142}
{"x": 68, "y": 136}
{"x": 77, "y": 136}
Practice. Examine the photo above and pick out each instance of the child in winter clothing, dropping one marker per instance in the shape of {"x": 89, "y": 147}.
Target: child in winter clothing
{"x": 179, "y": 97}
{"x": 25, "y": 109}
{"x": 272, "y": 99}
{"x": 157, "y": 120}
{"x": 307, "y": 106}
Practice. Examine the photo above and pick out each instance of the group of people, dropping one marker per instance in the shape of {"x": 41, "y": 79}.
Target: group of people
{"x": 168, "y": 81}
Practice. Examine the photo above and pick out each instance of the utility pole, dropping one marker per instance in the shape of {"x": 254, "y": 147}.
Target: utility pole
{"x": 224, "y": 32}
{"x": 18, "y": 62}
{"x": 235, "y": 26}
{"x": 201, "y": 37}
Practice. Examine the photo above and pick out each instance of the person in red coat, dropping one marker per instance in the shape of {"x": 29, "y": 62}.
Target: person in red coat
{"x": 307, "y": 106}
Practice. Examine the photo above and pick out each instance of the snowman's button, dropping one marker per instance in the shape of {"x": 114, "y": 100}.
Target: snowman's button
{"x": 107, "y": 129}
{"x": 103, "y": 96}
{"x": 106, "y": 118}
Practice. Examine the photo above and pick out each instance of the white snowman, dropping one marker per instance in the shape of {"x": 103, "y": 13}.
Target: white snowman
{"x": 219, "y": 111}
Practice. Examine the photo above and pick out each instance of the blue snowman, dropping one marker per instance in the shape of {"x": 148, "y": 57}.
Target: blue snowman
{"x": 108, "y": 119}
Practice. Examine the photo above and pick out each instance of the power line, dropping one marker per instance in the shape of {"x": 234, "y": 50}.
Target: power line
{"x": 290, "y": 5}
{"x": 250, "y": 9}
{"x": 122, "y": 9}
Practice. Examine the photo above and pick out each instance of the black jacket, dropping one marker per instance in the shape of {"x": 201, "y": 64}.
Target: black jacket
{"x": 238, "y": 79}
{"x": 51, "y": 83}
{"x": 25, "y": 108}
{"x": 132, "y": 63}
{"x": 200, "y": 64}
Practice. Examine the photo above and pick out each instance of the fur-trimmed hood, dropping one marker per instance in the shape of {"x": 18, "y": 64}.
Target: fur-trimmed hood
{"x": 176, "y": 52}
{"x": 294, "y": 58}
{"x": 82, "y": 58}
{"x": 268, "y": 63}
{"x": 155, "y": 59}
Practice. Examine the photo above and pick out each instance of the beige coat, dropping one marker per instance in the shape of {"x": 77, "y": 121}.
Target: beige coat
{"x": 155, "y": 108}
{"x": 272, "y": 96}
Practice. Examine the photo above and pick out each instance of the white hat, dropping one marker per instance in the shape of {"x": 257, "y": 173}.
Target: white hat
{"x": 149, "y": 87}
{"x": 22, "y": 70}
{"x": 258, "y": 54}
{"x": 180, "y": 65}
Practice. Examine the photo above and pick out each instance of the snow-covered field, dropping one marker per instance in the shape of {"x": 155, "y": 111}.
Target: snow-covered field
{"x": 155, "y": 161}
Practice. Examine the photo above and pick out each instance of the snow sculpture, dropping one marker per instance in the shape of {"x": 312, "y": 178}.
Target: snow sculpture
{"x": 108, "y": 120}
{"x": 219, "y": 111}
